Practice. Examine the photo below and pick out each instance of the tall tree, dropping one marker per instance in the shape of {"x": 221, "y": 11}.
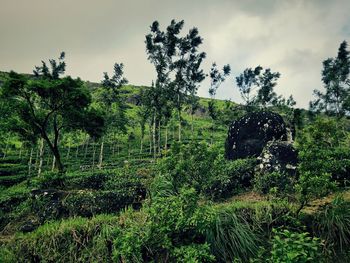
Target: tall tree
{"x": 266, "y": 94}
{"x": 112, "y": 104}
{"x": 335, "y": 76}
{"x": 216, "y": 78}
{"x": 177, "y": 61}
{"x": 247, "y": 82}
{"x": 256, "y": 86}
{"x": 47, "y": 104}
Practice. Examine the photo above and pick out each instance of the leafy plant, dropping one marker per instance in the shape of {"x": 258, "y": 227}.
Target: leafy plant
{"x": 291, "y": 247}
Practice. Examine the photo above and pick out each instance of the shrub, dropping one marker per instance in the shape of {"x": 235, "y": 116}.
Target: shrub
{"x": 206, "y": 170}
{"x": 324, "y": 148}
{"x": 166, "y": 228}
{"x": 274, "y": 182}
{"x": 291, "y": 247}
{"x": 312, "y": 186}
{"x": 73, "y": 240}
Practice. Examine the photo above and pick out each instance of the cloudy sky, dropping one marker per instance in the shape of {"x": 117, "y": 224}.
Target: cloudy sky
{"x": 292, "y": 37}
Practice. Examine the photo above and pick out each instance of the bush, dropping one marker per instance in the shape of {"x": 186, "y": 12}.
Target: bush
{"x": 324, "y": 149}
{"x": 206, "y": 170}
{"x": 291, "y": 247}
{"x": 274, "y": 182}
{"x": 169, "y": 228}
{"x": 73, "y": 240}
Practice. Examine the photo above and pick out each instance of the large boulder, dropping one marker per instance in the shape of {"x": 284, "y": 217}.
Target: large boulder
{"x": 278, "y": 156}
{"x": 248, "y": 136}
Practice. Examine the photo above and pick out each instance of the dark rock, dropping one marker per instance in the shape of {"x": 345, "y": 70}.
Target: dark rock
{"x": 29, "y": 226}
{"x": 278, "y": 156}
{"x": 248, "y": 136}
{"x": 134, "y": 99}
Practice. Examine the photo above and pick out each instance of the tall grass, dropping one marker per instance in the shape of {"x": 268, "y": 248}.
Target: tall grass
{"x": 332, "y": 223}
{"x": 231, "y": 238}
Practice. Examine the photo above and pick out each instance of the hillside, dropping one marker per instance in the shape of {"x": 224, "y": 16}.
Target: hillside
{"x": 124, "y": 197}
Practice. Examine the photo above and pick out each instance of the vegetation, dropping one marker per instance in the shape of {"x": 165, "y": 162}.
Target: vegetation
{"x": 111, "y": 172}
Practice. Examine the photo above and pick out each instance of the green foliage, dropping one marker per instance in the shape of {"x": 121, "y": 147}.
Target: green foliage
{"x": 291, "y": 247}
{"x": 73, "y": 240}
{"x": 164, "y": 229}
{"x": 204, "y": 168}
{"x": 46, "y": 104}
{"x": 193, "y": 253}
{"x": 274, "y": 182}
{"x": 335, "y": 76}
{"x": 332, "y": 223}
{"x": 311, "y": 186}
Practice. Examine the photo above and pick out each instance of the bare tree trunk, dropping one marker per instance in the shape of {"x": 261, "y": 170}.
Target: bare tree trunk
{"x": 86, "y": 146}
{"x": 20, "y": 152}
{"x": 41, "y": 156}
{"x": 113, "y": 145}
{"x": 37, "y": 156}
{"x": 179, "y": 115}
{"x": 53, "y": 163}
{"x": 68, "y": 152}
{"x": 159, "y": 136}
{"x": 93, "y": 155}
{"x": 30, "y": 161}
{"x": 150, "y": 139}
{"x": 166, "y": 138}
{"x": 6, "y": 148}
{"x": 192, "y": 120}
{"x": 179, "y": 125}
{"x": 101, "y": 155}
{"x": 141, "y": 144}
{"x": 154, "y": 136}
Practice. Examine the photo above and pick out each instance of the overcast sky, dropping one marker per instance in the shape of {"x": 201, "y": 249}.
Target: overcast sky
{"x": 292, "y": 37}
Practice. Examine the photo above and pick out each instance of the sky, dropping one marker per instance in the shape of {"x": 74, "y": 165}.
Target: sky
{"x": 292, "y": 37}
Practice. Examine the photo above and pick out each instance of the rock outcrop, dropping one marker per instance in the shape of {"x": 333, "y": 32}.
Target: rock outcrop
{"x": 248, "y": 136}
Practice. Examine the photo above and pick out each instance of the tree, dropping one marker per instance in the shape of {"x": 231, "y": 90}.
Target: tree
{"x": 247, "y": 82}
{"x": 335, "y": 76}
{"x": 47, "y": 104}
{"x": 111, "y": 103}
{"x": 177, "y": 62}
{"x": 216, "y": 78}
{"x": 267, "y": 81}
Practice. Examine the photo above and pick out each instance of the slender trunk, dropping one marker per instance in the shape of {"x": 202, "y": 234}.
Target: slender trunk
{"x": 212, "y": 131}
{"x": 118, "y": 149}
{"x": 41, "y": 156}
{"x": 20, "y": 152}
{"x": 77, "y": 152}
{"x": 6, "y": 148}
{"x": 159, "y": 136}
{"x": 101, "y": 155}
{"x": 53, "y": 163}
{"x": 93, "y": 155}
{"x": 192, "y": 120}
{"x": 37, "y": 156}
{"x": 166, "y": 138}
{"x": 113, "y": 145}
{"x": 154, "y": 136}
{"x": 150, "y": 139}
{"x": 68, "y": 152}
{"x": 141, "y": 144}
{"x": 179, "y": 113}
{"x": 30, "y": 162}
{"x": 86, "y": 146}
